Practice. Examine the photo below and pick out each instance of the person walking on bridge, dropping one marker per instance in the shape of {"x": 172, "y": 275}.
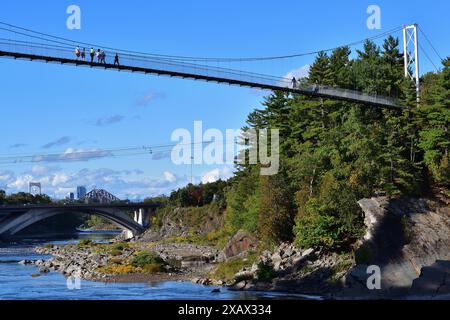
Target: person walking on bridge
{"x": 316, "y": 87}
{"x": 77, "y": 52}
{"x": 83, "y": 54}
{"x": 92, "y": 53}
{"x": 116, "y": 60}
{"x": 99, "y": 56}
{"x": 103, "y": 57}
{"x": 294, "y": 83}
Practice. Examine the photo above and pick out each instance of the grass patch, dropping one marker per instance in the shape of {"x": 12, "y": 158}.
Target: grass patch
{"x": 227, "y": 270}
{"x": 118, "y": 269}
{"x": 120, "y": 246}
{"x": 116, "y": 253}
{"x": 85, "y": 243}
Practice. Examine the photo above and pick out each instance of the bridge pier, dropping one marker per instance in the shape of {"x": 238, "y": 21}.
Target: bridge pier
{"x": 143, "y": 217}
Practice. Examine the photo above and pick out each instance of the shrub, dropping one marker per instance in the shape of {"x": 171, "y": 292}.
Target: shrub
{"x": 153, "y": 268}
{"x": 116, "y": 252}
{"x": 84, "y": 243}
{"x": 227, "y": 270}
{"x": 143, "y": 259}
{"x": 265, "y": 272}
{"x": 117, "y": 269}
{"x": 120, "y": 246}
{"x": 332, "y": 219}
{"x": 364, "y": 254}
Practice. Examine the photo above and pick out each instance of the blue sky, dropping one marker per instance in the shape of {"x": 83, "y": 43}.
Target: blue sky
{"x": 53, "y": 109}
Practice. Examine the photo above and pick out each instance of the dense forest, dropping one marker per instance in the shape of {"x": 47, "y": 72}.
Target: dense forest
{"x": 335, "y": 153}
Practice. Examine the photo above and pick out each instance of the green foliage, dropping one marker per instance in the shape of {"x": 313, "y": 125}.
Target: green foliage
{"x": 199, "y": 195}
{"x": 115, "y": 252}
{"x": 276, "y": 217}
{"x": 120, "y": 246}
{"x": 24, "y": 198}
{"x": 333, "y": 153}
{"x": 364, "y": 254}
{"x": 85, "y": 243}
{"x": 243, "y": 202}
{"x": 265, "y": 272}
{"x": 332, "y": 219}
{"x": 97, "y": 222}
{"x": 227, "y": 270}
{"x": 406, "y": 229}
{"x": 143, "y": 259}
{"x": 435, "y": 124}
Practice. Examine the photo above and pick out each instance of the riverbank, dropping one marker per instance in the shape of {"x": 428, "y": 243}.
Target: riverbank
{"x": 119, "y": 262}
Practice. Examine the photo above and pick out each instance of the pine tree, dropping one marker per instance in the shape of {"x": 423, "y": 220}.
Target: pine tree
{"x": 392, "y": 68}
{"x": 435, "y": 135}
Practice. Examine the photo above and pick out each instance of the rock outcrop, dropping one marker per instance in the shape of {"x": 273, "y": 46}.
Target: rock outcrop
{"x": 240, "y": 243}
{"x": 290, "y": 269}
{"x": 404, "y": 236}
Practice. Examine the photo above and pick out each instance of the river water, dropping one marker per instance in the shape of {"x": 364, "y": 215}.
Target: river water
{"x": 17, "y": 281}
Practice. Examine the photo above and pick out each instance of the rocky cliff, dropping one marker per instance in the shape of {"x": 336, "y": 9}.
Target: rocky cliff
{"x": 404, "y": 238}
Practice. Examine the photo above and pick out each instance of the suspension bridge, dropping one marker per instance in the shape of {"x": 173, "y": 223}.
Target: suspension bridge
{"x": 25, "y": 44}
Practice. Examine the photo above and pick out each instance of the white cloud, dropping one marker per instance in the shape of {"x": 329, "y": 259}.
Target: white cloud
{"x": 150, "y": 96}
{"x": 72, "y": 154}
{"x": 125, "y": 184}
{"x": 217, "y": 174}
{"x": 299, "y": 73}
{"x": 169, "y": 176}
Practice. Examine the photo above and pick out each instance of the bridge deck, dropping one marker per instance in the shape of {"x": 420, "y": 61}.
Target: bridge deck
{"x": 156, "y": 66}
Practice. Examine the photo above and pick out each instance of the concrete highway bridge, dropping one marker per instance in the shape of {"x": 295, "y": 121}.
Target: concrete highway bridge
{"x": 134, "y": 218}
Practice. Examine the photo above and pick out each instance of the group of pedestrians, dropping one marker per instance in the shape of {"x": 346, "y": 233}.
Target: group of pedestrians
{"x": 100, "y": 55}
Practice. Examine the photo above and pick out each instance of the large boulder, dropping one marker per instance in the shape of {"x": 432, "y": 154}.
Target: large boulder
{"x": 241, "y": 242}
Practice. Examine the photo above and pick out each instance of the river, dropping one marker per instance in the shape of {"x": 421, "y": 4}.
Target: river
{"x": 17, "y": 281}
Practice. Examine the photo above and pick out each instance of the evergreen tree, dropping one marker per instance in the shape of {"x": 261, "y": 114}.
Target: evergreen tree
{"x": 435, "y": 135}
{"x": 276, "y": 218}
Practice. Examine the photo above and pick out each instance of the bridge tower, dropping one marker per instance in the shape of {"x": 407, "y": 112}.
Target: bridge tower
{"x": 411, "y": 55}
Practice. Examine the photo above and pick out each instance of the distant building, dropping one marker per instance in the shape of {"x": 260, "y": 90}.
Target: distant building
{"x": 81, "y": 193}
{"x": 35, "y": 188}
{"x": 70, "y": 196}
{"x": 100, "y": 196}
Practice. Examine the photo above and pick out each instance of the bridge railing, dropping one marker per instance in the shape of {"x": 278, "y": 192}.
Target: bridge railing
{"x": 356, "y": 95}
{"x": 173, "y": 67}
{"x": 146, "y": 62}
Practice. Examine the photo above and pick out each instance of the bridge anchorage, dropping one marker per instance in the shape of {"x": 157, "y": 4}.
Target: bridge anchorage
{"x": 14, "y": 219}
{"x": 51, "y": 49}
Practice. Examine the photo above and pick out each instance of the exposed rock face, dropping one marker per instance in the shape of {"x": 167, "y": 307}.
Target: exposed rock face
{"x": 178, "y": 223}
{"x": 405, "y": 236}
{"x": 240, "y": 243}
{"x": 433, "y": 283}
